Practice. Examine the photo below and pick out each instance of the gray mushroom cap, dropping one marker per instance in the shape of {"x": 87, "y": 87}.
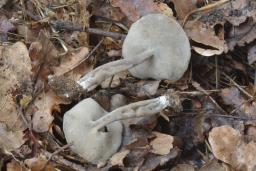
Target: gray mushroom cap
{"x": 93, "y": 145}
{"x": 169, "y": 43}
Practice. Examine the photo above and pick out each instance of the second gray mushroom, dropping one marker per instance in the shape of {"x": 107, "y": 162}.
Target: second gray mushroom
{"x": 155, "y": 47}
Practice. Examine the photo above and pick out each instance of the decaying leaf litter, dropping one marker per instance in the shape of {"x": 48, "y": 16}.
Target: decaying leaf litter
{"x": 48, "y": 46}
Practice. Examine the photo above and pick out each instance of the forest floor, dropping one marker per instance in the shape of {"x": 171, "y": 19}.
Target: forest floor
{"x": 214, "y": 131}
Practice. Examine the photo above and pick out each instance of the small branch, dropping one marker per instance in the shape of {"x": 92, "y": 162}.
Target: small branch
{"x": 59, "y": 25}
{"x": 63, "y": 161}
{"x": 95, "y": 77}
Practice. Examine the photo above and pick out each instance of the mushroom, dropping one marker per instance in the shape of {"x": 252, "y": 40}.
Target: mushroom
{"x": 155, "y": 47}
{"x": 96, "y": 135}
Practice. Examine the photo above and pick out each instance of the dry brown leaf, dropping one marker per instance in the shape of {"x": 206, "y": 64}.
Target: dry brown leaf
{"x": 134, "y": 9}
{"x": 39, "y": 163}
{"x": 117, "y": 159}
{"x": 14, "y": 166}
{"x": 183, "y": 167}
{"x": 10, "y": 140}
{"x": 68, "y": 62}
{"x": 205, "y": 34}
{"x": 44, "y": 104}
{"x": 208, "y": 27}
{"x": 183, "y": 7}
{"x": 251, "y": 133}
{"x": 107, "y": 11}
{"x": 16, "y": 83}
{"x": 162, "y": 144}
{"x": 228, "y": 146}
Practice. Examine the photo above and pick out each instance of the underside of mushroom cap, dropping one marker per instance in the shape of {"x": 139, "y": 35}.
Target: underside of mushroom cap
{"x": 93, "y": 145}
{"x": 169, "y": 42}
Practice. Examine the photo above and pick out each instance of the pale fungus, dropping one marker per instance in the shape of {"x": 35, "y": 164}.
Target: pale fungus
{"x": 155, "y": 47}
{"x": 96, "y": 135}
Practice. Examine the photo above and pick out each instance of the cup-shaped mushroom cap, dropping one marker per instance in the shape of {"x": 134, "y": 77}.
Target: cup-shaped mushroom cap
{"x": 168, "y": 41}
{"x": 93, "y": 145}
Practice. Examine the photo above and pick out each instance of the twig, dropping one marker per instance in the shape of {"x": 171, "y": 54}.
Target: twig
{"x": 65, "y": 162}
{"x": 198, "y": 87}
{"x": 58, "y": 25}
{"x": 58, "y": 151}
{"x": 238, "y": 86}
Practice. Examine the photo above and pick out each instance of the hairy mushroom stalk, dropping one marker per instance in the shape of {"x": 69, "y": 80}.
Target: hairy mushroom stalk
{"x": 155, "y": 47}
{"x": 96, "y": 135}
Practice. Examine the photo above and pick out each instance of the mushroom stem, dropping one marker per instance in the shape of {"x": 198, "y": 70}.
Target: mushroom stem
{"x": 137, "y": 109}
{"x": 98, "y": 75}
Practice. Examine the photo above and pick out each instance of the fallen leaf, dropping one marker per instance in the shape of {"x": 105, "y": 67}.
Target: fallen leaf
{"x": 14, "y": 166}
{"x": 10, "y": 140}
{"x": 117, "y": 159}
{"x": 162, "y": 144}
{"x": 44, "y": 104}
{"x": 16, "y": 84}
{"x": 251, "y": 133}
{"x": 134, "y": 9}
{"x": 183, "y": 7}
{"x": 39, "y": 163}
{"x": 69, "y": 62}
{"x": 228, "y": 145}
{"x": 204, "y": 34}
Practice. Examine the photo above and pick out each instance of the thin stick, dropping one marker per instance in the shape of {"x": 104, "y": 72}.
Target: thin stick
{"x": 63, "y": 161}
{"x": 238, "y": 86}
{"x": 70, "y": 27}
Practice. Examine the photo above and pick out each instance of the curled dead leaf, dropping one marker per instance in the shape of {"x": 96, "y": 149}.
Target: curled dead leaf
{"x": 117, "y": 159}
{"x": 162, "y": 144}
{"x": 228, "y": 146}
